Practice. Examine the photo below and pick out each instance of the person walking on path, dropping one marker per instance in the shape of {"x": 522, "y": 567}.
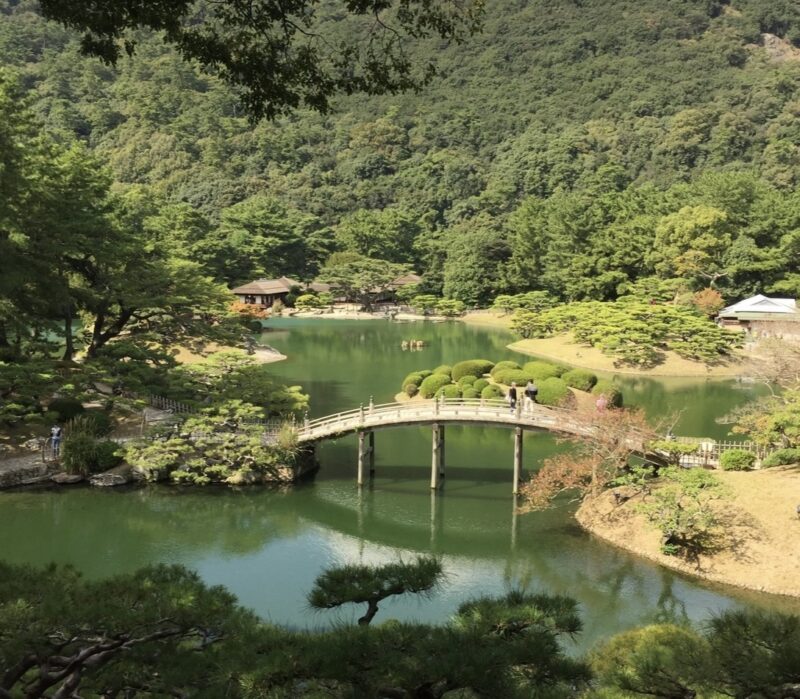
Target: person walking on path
{"x": 531, "y": 391}
{"x": 602, "y": 403}
{"x": 512, "y": 396}
{"x": 55, "y": 439}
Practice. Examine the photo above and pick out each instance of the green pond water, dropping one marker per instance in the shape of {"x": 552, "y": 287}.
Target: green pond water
{"x": 268, "y": 545}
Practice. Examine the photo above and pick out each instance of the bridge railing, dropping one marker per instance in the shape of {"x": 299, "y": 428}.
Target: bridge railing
{"x": 447, "y": 407}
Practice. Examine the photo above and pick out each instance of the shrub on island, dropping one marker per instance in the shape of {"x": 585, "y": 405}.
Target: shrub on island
{"x": 491, "y": 391}
{"x": 503, "y": 366}
{"x": 444, "y": 369}
{"x": 539, "y": 371}
{"x": 472, "y": 367}
{"x": 507, "y": 376}
{"x": 480, "y": 384}
{"x": 465, "y": 381}
{"x": 414, "y": 377}
{"x": 425, "y": 373}
{"x": 610, "y": 390}
{"x": 411, "y": 389}
{"x": 450, "y": 391}
{"x": 581, "y": 379}
{"x": 782, "y": 457}
{"x": 432, "y": 384}
{"x": 553, "y": 391}
{"x": 470, "y": 392}
{"x": 737, "y": 460}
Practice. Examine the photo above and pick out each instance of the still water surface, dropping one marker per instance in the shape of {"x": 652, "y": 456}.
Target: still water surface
{"x": 267, "y": 546}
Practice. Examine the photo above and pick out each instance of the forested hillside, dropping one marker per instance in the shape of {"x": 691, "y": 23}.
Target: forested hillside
{"x": 573, "y": 146}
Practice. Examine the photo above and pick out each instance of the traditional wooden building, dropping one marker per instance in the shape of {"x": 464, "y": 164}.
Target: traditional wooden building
{"x": 762, "y": 316}
{"x": 264, "y": 292}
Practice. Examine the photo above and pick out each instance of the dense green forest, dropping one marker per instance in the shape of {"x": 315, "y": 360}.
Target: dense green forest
{"x": 572, "y": 146}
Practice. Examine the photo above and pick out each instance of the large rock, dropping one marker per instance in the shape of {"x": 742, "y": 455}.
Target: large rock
{"x": 34, "y": 444}
{"x": 66, "y": 478}
{"x": 119, "y": 475}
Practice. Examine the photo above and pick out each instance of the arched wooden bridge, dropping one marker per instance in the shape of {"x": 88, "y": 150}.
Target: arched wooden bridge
{"x": 365, "y": 420}
{"x": 438, "y": 413}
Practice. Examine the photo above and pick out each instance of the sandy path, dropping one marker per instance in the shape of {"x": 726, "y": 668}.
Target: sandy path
{"x": 763, "y": 533}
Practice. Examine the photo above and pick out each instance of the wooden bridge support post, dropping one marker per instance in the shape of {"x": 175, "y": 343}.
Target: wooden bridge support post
{"x": 371, "y": 454}
{"x": 436, "y": 452}
{"x": 362, "y": 450}
{"x": 441, "y": 451}
{"x": 517, "y": 458}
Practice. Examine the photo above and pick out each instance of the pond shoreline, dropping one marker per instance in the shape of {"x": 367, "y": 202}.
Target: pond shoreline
{"x": 762, "y": 547}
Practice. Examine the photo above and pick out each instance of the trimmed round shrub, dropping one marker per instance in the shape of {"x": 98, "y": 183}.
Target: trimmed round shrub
{"x": 737, "y": 460}
{"x": 414, "y": 377}
{"x": 506, "y": 376}
{"x": 470, "y": 392}
{"x": 424, "y": 373}
{"x": 472, "y": 367}
{"x": 450, "y": 391}
{"x": 411, "y": 389}
{"x": 610, "y": 390}
{"x": 782, "y": 457}
{"x": 581, "y": 379}
{"x": 443, "y": 369}
{"x": 502, "y": 366}
{"x": 553, "y": 391}
{"x": 465, "y": 381}
{"x": 491, "y": 391}
{"x": 106, "y": 456}
{"x": 480, "y": 384}
{"x": 98, "y": 422}
{"x": 65, "y": 408}
{"x": 432, "y": 384}
{"x": 539, "y": 371}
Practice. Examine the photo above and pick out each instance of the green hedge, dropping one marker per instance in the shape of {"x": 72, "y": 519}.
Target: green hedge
{"x": 610, "y": 390}
{"x": 502, "y": 366}
{"x": 472, "y": 367}
{"x": 443, "y": 369}
{"x": 737, "y": 460}
{"x": 782, "y": 457}
{"x": 414, "y": 377}
{"x": 424, "y": 373}
{"x": 411, "y": 389}
{"x": 480, "y": 384}
{"x": 65, "y": 408}
{"x": 470, "y": 392}
{"x": 491, "y": 391}
{"x": 539, "y": 371}
{"x": 433, "y": 383}
{"x": 506, "y": 376}
{"x": 553, "y": 391}
{"x": 450, "y": 391}
{"x": 581, "y": 379}
{"x": 465, "y": 381}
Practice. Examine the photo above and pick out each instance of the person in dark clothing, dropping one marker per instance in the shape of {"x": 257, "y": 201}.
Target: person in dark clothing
{"x": 512, "y": 396}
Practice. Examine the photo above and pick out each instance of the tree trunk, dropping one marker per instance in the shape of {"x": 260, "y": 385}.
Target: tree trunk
{"x": 69, "y": 345}
{"x": 372, "y": 610}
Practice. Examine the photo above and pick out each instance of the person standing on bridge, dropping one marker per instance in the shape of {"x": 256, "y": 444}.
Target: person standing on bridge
{"x": 531, "y": 391}
{"x": 512, "y": 396}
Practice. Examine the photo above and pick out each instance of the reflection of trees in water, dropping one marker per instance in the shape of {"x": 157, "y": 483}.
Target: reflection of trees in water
{"x": 671, "y": 608}
{"x": 102, "y": 532}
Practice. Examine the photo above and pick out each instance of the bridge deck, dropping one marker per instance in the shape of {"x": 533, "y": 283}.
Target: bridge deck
{"x": 487, "y": 412}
